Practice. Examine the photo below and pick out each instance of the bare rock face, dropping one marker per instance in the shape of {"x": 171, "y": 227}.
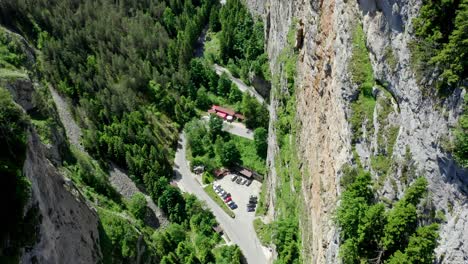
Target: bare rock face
{"x": 324, "y": 92}
{"x": 68, "y": 231}
{"x": 424, "y": 120}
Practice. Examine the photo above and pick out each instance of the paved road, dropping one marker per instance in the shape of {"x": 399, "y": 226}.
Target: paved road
{"x": 235, "y": 128}
{"x": 240, "y": 231}
{"x": 240, "y": 84}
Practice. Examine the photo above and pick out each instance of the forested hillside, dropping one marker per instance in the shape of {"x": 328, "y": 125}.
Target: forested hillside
{"x": 126, "y": 67}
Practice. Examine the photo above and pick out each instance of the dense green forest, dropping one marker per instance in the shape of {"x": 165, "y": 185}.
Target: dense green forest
{"x": 236, "y": 40}
{"x": 128, "y": 69}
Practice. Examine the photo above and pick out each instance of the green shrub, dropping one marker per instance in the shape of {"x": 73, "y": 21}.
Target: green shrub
{"x": 137, "y": 206}
{"x": 368, "y": 229}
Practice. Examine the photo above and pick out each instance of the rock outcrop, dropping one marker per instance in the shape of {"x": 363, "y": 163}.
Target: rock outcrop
{"x": 67, "y": 227}
{"x": 68, "y": 231}
{"x": 324, "y": 93}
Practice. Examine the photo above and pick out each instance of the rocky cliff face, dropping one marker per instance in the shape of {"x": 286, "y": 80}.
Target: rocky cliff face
{"x": 68, "y": 230}
{"x": 324, "y": 91}
{"x": 67, "y": 226}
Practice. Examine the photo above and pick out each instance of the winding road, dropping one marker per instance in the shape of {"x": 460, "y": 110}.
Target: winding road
{"x": 240, "y": 231}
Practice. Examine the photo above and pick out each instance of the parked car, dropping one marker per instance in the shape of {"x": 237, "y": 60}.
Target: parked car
{"x": 250, "y": 209}
{"x": 253, "y": 201}
{"x": 251, "y": 205}
{"x": 230, "y": 203}
{"x": 244, "y": 181}
{"x": 218, "y": 191}
{"x": 226, "y": 195}
{"x": 233, "y": 206}
{"x": 234, "y": 177}
{"x": 228, "y": 199}
{"x": 216, "y": 186}
{"x": 248, "y": 182}
{"x": 222, "y": 192}
{"x": 239, "y": 180}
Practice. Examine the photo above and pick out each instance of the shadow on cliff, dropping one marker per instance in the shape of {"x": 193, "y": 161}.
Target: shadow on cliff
{"x": 453, "y": 174}
{"x": 390, "y": 10}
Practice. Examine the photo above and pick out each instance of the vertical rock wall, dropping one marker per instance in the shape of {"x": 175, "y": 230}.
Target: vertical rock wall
{"x": 324, "y": 92}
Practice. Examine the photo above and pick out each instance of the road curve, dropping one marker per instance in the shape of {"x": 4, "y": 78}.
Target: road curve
{"x": 240, "y": 84}
{"x": 239, "y": 231}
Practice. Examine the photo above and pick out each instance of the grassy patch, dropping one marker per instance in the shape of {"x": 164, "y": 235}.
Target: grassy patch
{"x": 12, "y": 74}
{"x": 363, "y": 112}
{"x": 390, "y": 58}
{"x": 264, "y": 231}
{"x": 381, "y": 164}
{"x": 209, "y": 190}
{"x": 261, "y": 206}
{"x": 212, "y": 47}
{"x": 224, "y": 101}
{"x": 362, "y": 75}
{"x": 249, "y": 156}
{"x": 43, "y": 129}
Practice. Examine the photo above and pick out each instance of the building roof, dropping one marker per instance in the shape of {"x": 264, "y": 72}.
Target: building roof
{"x": 219, "y": 172}
{"x": 222, "y": 115}
{"x": 221, "y": 109}
{"x": 245, "y": 172}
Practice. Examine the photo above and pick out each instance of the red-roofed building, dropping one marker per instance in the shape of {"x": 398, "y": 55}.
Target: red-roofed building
{"x": 225, "y": 113}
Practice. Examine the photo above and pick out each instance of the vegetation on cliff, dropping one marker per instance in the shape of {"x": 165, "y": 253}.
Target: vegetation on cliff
{"x": 284, "y": 232}
{"x": 17, "y": 225}
{"x": 441, "y": 30}
{"x": 372, "y": 232}
{"x": 439, "y": 50}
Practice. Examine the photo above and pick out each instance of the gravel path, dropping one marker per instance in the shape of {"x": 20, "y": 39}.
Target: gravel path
{"x": 240, "y": 84}
{"x": 127, "y": 188}
{"x": 72, "y": 130}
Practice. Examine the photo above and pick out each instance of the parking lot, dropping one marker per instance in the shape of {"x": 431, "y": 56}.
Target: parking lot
{"x": 240, "y": 195}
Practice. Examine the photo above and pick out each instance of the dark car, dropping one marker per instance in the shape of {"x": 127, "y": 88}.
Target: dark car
{"x": 250, "y": 209}
{"x": 251, "y": 205}
{"x": 252, "y": 201}
{"x": 248, "y": 182}
{"x": 233, "y": 206}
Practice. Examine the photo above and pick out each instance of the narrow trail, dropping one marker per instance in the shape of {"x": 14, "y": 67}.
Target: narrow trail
{"x": 117, "y": 177}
